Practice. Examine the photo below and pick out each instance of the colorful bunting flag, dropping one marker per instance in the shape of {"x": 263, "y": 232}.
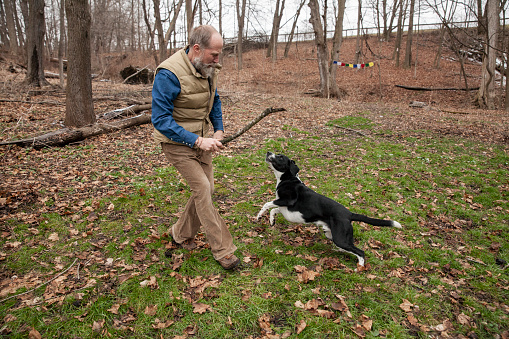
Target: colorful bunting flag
{"x": 369, "y": 64}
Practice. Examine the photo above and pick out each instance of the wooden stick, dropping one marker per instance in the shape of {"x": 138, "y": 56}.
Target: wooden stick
{"x": 33, "y": 289}
{"x": 251, "y": 124}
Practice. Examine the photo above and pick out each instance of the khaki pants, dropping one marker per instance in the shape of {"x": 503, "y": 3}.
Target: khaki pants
{"x": 196, "y": 168}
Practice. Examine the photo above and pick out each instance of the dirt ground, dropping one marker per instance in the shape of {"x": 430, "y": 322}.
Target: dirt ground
{"x": 33, "y": 175}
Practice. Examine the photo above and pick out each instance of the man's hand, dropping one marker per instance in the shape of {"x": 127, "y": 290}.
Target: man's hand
{"x": 209, "y": 144}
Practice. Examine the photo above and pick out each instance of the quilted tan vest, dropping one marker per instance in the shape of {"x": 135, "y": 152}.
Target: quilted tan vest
{"x": 194, "y": 103}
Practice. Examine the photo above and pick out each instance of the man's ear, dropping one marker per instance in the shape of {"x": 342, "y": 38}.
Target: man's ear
{"x": 196, "y": 48}
{"x": 294, "y": 169}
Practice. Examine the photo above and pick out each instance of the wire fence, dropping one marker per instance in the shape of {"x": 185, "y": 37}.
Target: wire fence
{"x": 348, "y": 33}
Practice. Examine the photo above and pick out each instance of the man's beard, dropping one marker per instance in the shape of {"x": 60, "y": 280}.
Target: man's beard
{"x": 207, "y": 70}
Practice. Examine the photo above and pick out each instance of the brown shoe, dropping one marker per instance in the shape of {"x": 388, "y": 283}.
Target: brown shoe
{"x": 188, "y": 244}
{"x": 229, "y": 262}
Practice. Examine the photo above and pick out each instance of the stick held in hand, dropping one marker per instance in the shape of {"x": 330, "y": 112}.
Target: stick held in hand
{"x": 251, "y": 124}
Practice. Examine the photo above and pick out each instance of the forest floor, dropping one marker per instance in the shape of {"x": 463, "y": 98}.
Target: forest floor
{"x": 74, "y": 181}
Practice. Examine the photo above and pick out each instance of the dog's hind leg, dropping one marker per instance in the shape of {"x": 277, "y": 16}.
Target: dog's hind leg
{"x": 343, "y": 239}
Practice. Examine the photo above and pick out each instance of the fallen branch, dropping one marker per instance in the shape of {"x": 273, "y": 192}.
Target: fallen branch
{"x": 45, "y": 102}
{"x": 41, "y": 285}
{"x": 251, "y": 124}
{"x": 436, "y": 89}
{"x": 124, "y": 112}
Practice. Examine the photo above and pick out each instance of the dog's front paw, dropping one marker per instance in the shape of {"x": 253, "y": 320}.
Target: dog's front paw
{"x": 258, "y": 216}
{"x": 272, "y": 221}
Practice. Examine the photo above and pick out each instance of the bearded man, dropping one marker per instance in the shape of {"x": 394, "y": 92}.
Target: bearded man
{"x": 185, "y": 106}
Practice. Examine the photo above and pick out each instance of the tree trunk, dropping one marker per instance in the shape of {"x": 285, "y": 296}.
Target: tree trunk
{"x": 160, "y": 33}
{"x": 35, "y": 44}
{"x": 173, "y": 22}
{"x": 321, "y": 47}
{"x": 506, "y": 103}
{"x": 11, "y": 26}
{"x": 394, "y": 11}
{"x": 486, "y": 95}
{"x": 408, "y": 52}
{"x": 241, "y": 15}
{"x": 438, "y": 56}
{"x": 278, "y": 14}
{"x": 358, "y": 40}
{"x": 481, "y": 23}
{"x": 189, "y": 17}
{"x": 290, "y": 37}
{"x": 61, "y": 43}
{"x": 151, "y": 45}
{"x": 399, "y": 34}
{"x": 79, "y": 107}
{"x": 336, "y": 47}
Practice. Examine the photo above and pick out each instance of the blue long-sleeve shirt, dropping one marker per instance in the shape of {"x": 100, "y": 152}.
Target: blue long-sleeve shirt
{"x": 165, "y": 90}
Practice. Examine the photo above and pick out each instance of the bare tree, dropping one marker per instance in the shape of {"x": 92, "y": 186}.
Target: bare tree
{"x": 189, "y": 16}
{"x": 408, "y": 51}
{"x": 399, "y": 34}
{"x": 292, "y": 32}
{"x": 278, "y": 14}
{"x": 4, "y": 36}
{"x": 10, "y": 6}
{"x": 506, "y": 103}
{"x": 390, "y": 25}
{"x": 151, "y": 45}
{"x": 326, "y": 68}
{"x": 241, "y": 16}
{"x": 321, "y": 47}
{"x": 445, "y": 11}
{"x": 337, "y": 40}
{"x": 486, "y": 95}
{"x": 163, "y": 37}
{"x": 35, "y": 44}
{"x": 79, "y": 107}
{"x": 358, "y": 39}
{"x": 61, "y": 43}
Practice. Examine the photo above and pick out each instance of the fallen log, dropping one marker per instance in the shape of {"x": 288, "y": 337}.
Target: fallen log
{"x": 66, "y": 136}
{"x": 411, "y": 88}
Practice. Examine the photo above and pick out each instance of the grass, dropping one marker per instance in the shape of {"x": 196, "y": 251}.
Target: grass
{"x": 450, "y": 195}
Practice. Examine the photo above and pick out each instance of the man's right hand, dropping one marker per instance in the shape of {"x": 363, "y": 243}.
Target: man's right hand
{"x": 209, "y": 144}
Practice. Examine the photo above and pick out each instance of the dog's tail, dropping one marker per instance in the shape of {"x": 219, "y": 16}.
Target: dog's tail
{"x": 375, "y": 222}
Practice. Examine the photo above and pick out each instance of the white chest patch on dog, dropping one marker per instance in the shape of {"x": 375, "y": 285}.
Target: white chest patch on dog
{"x": 292, "y": 216}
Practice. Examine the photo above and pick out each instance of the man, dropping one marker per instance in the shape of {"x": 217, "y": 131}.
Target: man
{"x": 185, "y": 104}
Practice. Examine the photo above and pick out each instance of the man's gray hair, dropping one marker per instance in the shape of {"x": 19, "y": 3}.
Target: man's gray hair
{"x": 202, "y": 35}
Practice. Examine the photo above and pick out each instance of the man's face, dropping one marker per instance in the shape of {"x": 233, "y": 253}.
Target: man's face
{"x": 207, "y": 59}
{"x": 211, "y": 55}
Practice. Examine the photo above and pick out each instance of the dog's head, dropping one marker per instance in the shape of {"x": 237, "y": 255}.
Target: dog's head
{"x": 281, "y": 164}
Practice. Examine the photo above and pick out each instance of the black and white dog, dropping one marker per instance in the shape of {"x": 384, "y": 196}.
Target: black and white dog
{"x": 300, "y": 204}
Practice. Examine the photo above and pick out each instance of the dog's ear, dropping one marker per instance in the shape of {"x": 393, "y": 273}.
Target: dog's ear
{"x": 294, "y": 169}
